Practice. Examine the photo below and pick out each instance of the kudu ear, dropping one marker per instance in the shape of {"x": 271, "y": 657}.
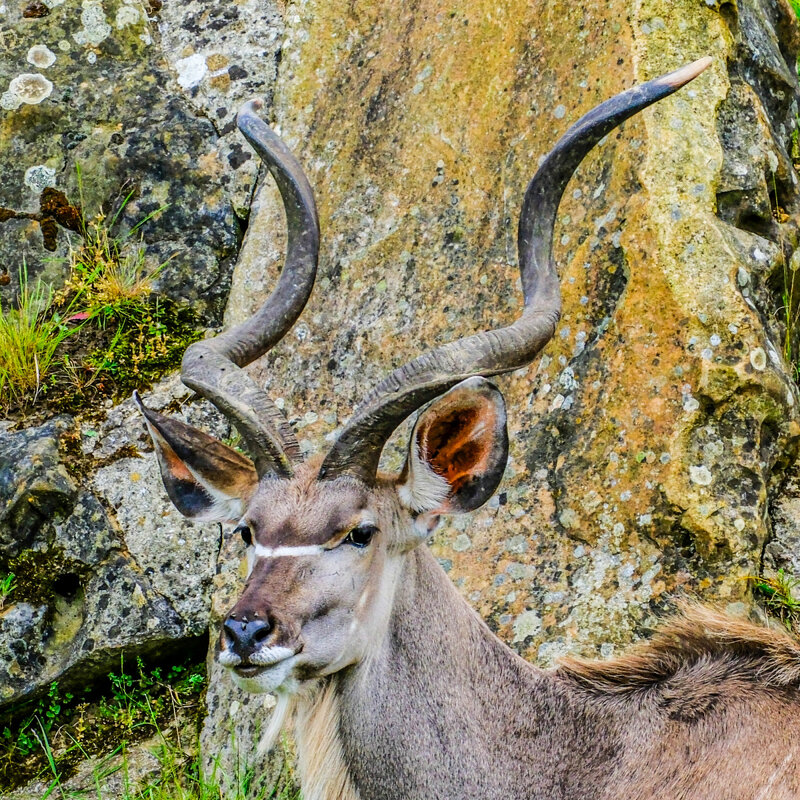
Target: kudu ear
{"x": 458, "y": 451}
{"x": 204, "y": 478}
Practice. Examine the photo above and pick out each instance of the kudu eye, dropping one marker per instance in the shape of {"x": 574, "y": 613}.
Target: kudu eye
{"x": 361, "y": 536}
{"x": 244, "y": 531}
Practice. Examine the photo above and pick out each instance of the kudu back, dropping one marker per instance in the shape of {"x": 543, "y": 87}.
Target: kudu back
{"x": 396, "y": 688}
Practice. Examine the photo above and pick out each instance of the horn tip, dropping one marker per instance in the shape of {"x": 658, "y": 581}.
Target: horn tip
{"x": 687, "y": 73}
{"x": 249, "y": 110}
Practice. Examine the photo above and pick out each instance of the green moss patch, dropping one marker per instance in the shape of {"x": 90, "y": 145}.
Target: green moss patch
{"x": 41, "y": 576}
{"x": 54, "y": 734}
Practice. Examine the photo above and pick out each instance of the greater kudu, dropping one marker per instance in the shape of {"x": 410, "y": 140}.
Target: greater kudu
{"x": 396, "y": 687}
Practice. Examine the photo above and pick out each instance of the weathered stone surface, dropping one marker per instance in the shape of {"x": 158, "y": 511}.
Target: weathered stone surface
{"x": 22, "y": 631}
{"x": 122, "y": 105}
{"x": 646, "y": 440}
{"x": 34, "y": 485}
{"x": 783, "y": 549}
{"x": 103, "y": 562}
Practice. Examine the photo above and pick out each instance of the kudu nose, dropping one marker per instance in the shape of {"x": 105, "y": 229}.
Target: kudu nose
{"x": 245, "y": 635}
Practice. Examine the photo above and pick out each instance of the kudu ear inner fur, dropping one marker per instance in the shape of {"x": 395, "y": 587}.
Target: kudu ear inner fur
{"x": 204, "y": 478}
{"x": 458, "y": 450}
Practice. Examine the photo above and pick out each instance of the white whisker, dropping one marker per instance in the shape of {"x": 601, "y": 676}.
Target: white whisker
{"x": 228, "y": 659}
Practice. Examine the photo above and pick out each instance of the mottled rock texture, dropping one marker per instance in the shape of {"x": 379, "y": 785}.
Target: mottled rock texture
{"x": 647, "y": 440}
{"x": 141, "y": 99}
{"x": 103, "y": 563}
{"x": 650, "y": 441}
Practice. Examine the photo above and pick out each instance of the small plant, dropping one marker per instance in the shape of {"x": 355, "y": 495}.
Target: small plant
{"x": 125, "y": 334}
{"x": 29, "y": 337}
{"x": 6, "y": 587}
{"x": 61, "y": 729}
{"x": 790, "y": 289}
{"x": 109, "y": 270}
{"x": 777, "y": 595}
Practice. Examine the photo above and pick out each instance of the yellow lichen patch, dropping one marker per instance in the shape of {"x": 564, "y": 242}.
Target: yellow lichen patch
{"x": 419, "y": 131}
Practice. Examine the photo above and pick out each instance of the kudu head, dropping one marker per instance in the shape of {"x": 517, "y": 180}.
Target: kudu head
{"x": 326, "y": 540}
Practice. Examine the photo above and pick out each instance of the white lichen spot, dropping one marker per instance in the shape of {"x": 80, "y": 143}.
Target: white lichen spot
{"x": 91, "y": 57}
{"x": 758, "y": 359}
{"x": 64, "y": 46}
{"x": 568, "y": 518}
{"x": 529, "y": 623}
{"x": 41, "y": 56}
{"x": 714, "y": 341}
{"x": 690, "y": 403}
{"x": 462, "y": 543}
{"x": 700, "y": 475}
{"x": 742, "y": 277}
{"x": 648, "y": 576}
{"x": 9, "y": 101}
{"x": 126, "y": 15}
{"x": 53, "y": 3}
{"x": 559, "y": 111}
{"x": 96, "y": 28}
{"x": 30, "y": 88}
{"x": 40, "y": 177}
{"x": 738, "y": 523}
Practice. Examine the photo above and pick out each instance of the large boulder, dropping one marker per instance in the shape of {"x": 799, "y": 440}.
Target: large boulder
{"x": 140, "y": 97}
{"x": 103, "y": 563}
{"x": 648, "y": 439}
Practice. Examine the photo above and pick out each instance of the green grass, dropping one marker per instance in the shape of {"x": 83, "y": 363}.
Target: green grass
{"x": 178, "y": 778}
{"x": 7, "y": 584}
{"x": 779, "y": 596}
{"x": 104, "y": 334}
{"x": 158, "y": 708}
{"x": 30, "y": 335}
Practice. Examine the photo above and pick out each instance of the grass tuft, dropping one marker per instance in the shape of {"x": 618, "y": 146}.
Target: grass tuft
{"x": 104, "y": 334}
{"x": 7, "y": 586}
{"x": 778, "y": 595}
{"x": 30, "y": 335}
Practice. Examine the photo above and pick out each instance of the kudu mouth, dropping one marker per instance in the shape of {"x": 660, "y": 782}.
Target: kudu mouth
{"x": 268, "y": 659}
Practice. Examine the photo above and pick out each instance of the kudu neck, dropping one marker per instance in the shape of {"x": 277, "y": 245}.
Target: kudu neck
{"x": 442, "y": 708}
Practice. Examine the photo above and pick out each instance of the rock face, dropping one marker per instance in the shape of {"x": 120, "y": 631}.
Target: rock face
{"x": 649, "y": 442}
{"x": 141, "y": 98}
{"x": 102, "y": 563}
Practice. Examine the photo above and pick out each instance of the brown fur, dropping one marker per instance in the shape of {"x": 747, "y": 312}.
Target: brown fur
{"x": 697, "y": 641}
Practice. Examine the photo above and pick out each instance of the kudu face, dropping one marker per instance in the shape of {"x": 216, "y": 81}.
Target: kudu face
{"x": 326, "y": 540}
{"x": 324, "y": 556}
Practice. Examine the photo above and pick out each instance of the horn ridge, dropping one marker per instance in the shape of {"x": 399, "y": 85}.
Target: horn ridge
{"x": 358, "y": 448}
{"x": 213, "y": 367}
